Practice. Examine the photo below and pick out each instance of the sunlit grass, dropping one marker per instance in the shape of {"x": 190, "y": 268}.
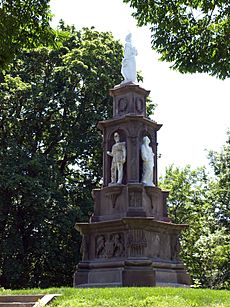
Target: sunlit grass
{"x": 135, "y": 297}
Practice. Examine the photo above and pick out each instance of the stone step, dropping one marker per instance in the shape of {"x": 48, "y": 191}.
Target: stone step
{"x": 26, "y": 300}
{"x": 20, "y": 298}
{"x": 17, "y": 304}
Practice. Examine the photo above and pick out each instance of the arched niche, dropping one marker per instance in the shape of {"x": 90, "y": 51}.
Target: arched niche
{"x": 151, "y": 134}
{"x": 109, "y": 144}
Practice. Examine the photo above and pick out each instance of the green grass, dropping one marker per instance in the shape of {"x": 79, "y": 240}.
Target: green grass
{"x": 134, "y": 297}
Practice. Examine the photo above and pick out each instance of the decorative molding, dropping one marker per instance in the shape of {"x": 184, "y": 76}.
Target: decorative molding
{"x": 112, "y": 194}
{"x": 152, "y": 195}
{"x": 139, "y": 104}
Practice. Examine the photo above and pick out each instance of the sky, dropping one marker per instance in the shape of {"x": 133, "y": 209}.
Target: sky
{"x": 193, "y": 108}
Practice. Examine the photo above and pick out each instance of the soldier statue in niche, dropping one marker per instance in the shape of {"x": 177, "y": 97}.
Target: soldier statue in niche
{"x": 119, "y": 157}
{"x": 147, "y": 156}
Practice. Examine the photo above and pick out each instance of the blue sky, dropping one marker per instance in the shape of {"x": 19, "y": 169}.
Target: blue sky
{"x": 194, "y": 109}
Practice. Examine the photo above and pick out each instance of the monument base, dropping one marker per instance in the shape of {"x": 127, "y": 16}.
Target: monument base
{"x": 130, "y": 273}
{"x": 133, "y": 251}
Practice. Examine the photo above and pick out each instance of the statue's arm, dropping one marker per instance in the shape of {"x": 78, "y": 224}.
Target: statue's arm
{"x": 109, "y": 153}
{"x": 143, "y": 153}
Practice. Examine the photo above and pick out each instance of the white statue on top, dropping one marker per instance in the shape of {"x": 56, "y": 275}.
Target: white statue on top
{"x": 128, "y": 68}
{"x": 147, "y": 156}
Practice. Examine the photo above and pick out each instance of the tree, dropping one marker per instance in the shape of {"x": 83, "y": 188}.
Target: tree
{"x": 23, "y": 24}
{"x": 205, "y": 244}
{"x": 220, "y": 162}
{"x": 50, "y": 153}
{"x": 194, "y": 35}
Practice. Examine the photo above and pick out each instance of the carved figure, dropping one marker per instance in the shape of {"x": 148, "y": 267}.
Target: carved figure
{"x": 85, "y": 247}
{"x": 128, "y": 68}
{"x": 100, "y": 247}
{"x": 119, "y": 156}
{"x": 175, "y": 247}
{"x": 156, "y": 245}
{"x": 118, "y": 247}
{"x": 147, "y": 156}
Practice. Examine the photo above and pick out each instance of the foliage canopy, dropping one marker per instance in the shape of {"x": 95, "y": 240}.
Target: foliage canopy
{"x": 23, "y": 24}
{"x": 202, "y": 201}
{"x": 193, "y": 34}
{"x": 50, "y": 153}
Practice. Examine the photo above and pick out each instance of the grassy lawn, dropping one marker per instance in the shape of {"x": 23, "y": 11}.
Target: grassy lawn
{"x": 134, "y": 297}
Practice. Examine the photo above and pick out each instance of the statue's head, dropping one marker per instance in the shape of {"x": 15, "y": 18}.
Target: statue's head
{"x": 146, "y": 140}
{"x": 128, "y": 37}
{"x": 116, "y": 137}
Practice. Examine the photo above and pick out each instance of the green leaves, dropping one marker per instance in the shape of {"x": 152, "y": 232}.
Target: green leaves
{"x": 23, "y": 24}
{"x": 193, "y": 35}
{"x": 50, "y": 152}
{"x": 202, "y": 201}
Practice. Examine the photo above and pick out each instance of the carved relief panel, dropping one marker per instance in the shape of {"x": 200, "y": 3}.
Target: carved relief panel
{"x": 139, "y": 105}
{"x": 109, "y": 245}
{"x": 122, "y": 105}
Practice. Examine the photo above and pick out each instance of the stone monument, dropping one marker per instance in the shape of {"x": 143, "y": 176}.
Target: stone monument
{"x": 130, "y": 240}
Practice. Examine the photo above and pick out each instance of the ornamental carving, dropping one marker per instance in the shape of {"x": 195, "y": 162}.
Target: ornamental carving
{"x": 85, "y": 247}
{"x": 118, "y": 245}
{"x": 175, "y": 247}
{"x": 135, "y": 199}
{"x": 112, "y": 194}
{"x": 136, "y": 242}
{"x": 155, "y": 244}
{"x": 100, "y": 247}
{"x": 110, "y": 246}
{"x": 153, "y": 198}
{"x": 139, "y": 103}
{"x": 122, "y": 105}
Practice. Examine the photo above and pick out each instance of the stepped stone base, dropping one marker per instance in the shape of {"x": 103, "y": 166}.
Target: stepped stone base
{"x": 133, "y": 251}
{"x": 129, "y": 272}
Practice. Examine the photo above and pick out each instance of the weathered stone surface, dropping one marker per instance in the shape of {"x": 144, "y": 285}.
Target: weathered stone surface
{"x": 146, "y": 245}
{"x": 134, "y": 199}
{"x": 130, "y": 240}
{"x": 129, "y": 98}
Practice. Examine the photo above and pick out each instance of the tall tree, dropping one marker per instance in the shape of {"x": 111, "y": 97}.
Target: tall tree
{"x": 220, "y": 162}
{"x": 205, "y": 245}
{"x": 193, "y": 35}
{"x": 50, "y": 153}
{"x": 23, "y": 24}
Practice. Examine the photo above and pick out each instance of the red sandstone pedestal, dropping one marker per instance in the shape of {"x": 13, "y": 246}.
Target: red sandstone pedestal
{"x": 130, "y": 240}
